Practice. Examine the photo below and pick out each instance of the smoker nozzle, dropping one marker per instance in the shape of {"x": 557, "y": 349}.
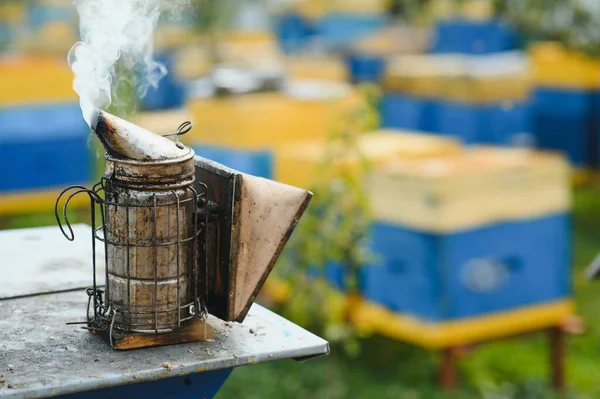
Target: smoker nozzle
{"x": 124, "y": 139}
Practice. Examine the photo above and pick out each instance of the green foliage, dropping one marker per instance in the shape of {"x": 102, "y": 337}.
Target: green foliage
{"x": 213, "y": 15}
{"x": 334, "y": 230}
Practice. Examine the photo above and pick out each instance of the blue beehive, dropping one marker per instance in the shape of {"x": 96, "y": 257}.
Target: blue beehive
{"x": 485, "y": 232}
{"x": 563, "y": 105}
{"x": 474, "y": 37}
{"x": 365, "y": 67}
{"x": 564, "y": 120}
{"x": 293, "y": 32}
{"x": 485, "y": 270}
{"x": 44, "y": 146}
{"x": 488, "y": 102}
{"x": 39, "y": 15}
{"x": 253, "y": 162}
{"x": 414, "y": 89}
{"x": 404, "y": 111}
{"x": 496, "y": 123}
{"x": 170, "y": 92}
{"x": 339, "y": 30}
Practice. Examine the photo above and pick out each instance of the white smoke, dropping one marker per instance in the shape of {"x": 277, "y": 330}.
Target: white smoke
{"x": 111, "y": 31}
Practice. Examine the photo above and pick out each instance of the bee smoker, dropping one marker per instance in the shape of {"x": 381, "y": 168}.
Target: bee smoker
{"x": 183, "y": 237}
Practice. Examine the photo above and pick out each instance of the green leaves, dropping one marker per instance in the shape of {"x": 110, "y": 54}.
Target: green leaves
{"x": 334, "y": 230}
{"x": 574, "y": 23}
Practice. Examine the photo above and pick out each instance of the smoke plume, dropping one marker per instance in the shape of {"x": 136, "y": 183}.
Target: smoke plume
{"x": 116, "y": 31}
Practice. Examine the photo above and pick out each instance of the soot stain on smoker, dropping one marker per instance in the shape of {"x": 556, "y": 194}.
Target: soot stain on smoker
{"x": 108, "y": 136}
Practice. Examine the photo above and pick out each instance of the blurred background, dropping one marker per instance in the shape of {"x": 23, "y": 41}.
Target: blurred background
{"x": 452, "y": 147}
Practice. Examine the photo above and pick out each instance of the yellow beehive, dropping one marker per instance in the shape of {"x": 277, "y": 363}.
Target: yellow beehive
{"x": 318, "y": 8}
{"x": 300, "y": 163}
{"x": 192, "y": 62}
{"x": 555, "y": 66}
{"x": 12, "y": 12}
{"x": 171, "y": 36}
{"x": 422, "y": 75}
{"x": 309, "y": 109}
{"x": 476, "y": 187}
{"x": 395, "y": 40}
{"x": 253, "y": 47}
{"x": 490, "y": 78}
{"x": 316, "y": 67}
{"x": 480, "y": 10}
{"x": 252, "y": 50}
{"x": 26, "y": 80}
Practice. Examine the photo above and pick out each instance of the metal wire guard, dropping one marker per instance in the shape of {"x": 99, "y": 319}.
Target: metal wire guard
{"x": 106, "y": 313}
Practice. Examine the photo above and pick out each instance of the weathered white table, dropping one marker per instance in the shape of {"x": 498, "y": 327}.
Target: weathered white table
{"x": 42, "y": 288}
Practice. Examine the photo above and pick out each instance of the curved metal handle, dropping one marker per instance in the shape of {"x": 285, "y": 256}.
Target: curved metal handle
{"x": 184, "y": 128}
{"x": 80, "y": 189}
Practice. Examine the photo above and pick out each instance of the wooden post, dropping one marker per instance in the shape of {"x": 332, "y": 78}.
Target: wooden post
{"x": 448, "y": 369}
{"x": 557, "y": 358}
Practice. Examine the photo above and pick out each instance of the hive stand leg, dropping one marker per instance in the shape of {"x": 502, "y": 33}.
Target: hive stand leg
{"x": 557, "y": 358}
{"x": 448, "y": 369}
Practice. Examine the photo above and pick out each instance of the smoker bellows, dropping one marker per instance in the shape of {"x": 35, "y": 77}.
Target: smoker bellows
{"x": 183, "y": 237}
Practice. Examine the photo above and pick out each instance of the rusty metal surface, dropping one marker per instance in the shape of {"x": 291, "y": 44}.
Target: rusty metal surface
{"x": 40, "y": 260}
{"x": 40, "y": 356}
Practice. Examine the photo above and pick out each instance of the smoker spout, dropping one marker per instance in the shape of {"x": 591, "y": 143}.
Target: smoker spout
{"x": 126, "y": 140}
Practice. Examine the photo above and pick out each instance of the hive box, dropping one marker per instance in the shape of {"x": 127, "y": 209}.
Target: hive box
{"x": 464, "y": 236}
{"x": 488, "y": 101}
{"x": 300, "y": 163}
{"x": 473, "y": 37}
{"x": 320, "y": 67}
{"x": 571, "y": 80}
{"x": 413, "y": 88}
{"x": 481, "y": 99}
{"x": 306, "y": 109}
{"x": 293, "y": 31}
{"x": 31, "y": 80}
{"x": 44, "y": 147}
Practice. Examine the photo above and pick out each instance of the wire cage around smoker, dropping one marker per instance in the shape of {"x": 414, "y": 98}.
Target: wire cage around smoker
{"x": 152, "y": 257}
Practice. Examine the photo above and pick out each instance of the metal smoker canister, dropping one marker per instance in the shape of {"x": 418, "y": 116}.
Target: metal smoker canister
{"x": 150, "y": 228}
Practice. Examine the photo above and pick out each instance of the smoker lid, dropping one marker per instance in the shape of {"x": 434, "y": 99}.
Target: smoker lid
{"x": 125, "y": 140}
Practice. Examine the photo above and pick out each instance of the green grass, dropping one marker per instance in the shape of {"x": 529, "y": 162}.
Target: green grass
{"x": 515, "y": 368}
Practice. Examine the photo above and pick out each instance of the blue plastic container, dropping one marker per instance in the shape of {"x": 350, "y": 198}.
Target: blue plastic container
{"x": 170, "y": 92}
{"x": 39, "y": 15}
{"x": 474, "y": 37}
{"x": 204, "y": 384}
{"x": 470, "y": 273}
{"x": 293, "y": 32}
{"x": 564, "y": 120}
{"x": 403, "y": 111}
{"x": 44, "y": 146}
{"x": 505, "y": 121}
{"x": 340, "y": 30}
{"x": 253, "y": 162}
{"x": 497, "y": 123}
{"x": 365, "y": 68}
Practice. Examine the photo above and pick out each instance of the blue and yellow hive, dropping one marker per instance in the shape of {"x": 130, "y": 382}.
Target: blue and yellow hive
{"x": 572, "y": 80}
{"x": 473, "y": 246}
{"x": 481, "y": 99}
{"x": 44, "y": 142}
